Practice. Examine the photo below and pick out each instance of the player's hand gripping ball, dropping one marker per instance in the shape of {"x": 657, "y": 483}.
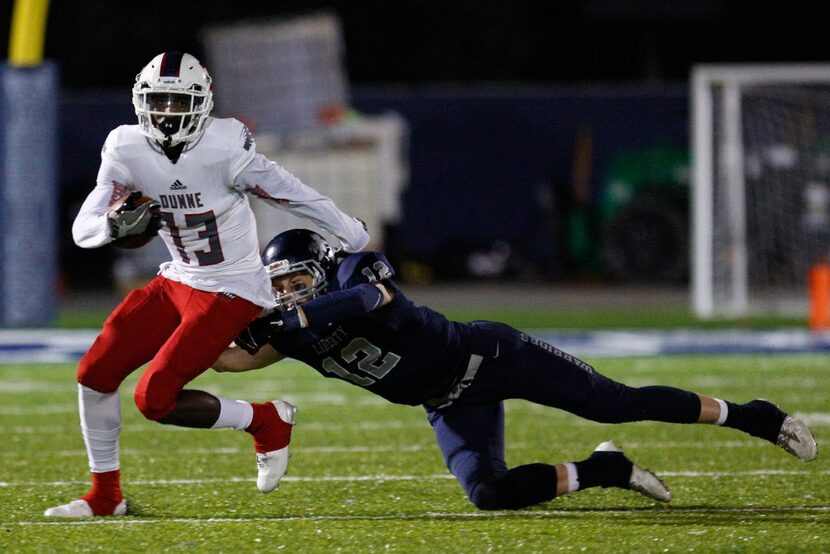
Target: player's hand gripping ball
{"x": 134, "y": 220}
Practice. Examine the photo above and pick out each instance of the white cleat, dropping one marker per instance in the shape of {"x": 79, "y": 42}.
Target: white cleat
{"x": 271, "y": 466}
{"x": 81, "y": 508}
{"x": 641, "y": 480}
{"x": 795, "y": 437}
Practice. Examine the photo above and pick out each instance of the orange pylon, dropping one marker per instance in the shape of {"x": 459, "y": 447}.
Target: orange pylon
{"x": 819, "y": 283}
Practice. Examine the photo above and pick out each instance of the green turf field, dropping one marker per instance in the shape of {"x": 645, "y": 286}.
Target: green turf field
{"x": 366, "y": 476}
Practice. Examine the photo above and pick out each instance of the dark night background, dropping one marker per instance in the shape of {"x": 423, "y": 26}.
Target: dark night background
{"x": 498, "y": 96}
{"x": 101, "y": 43}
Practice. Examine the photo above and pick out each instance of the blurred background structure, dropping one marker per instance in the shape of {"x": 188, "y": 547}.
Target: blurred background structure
{"x": 530, "y": 142}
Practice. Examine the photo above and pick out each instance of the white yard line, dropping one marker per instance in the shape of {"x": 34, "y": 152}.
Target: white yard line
{"x": 248, "y": 450}
{"x": 391, "y": 448}
{"x": 813, "y": 420}
{"x": 384, "y": 478}
{"x": 43, "y": 409}
{"x": 147, "y": 426}
{"x": 426, "y": 515}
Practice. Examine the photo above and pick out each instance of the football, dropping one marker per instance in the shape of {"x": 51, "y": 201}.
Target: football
{"x": 131, "y": 202}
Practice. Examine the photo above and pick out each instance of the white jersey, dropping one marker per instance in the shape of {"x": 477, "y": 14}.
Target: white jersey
{"x": 208, "y": 225}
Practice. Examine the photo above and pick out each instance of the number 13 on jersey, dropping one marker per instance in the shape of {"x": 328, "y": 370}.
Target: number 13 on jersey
{"x": 205, "y": 222}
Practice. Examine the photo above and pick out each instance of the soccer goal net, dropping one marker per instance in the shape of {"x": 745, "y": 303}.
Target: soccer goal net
{"x": 761, "y": 179}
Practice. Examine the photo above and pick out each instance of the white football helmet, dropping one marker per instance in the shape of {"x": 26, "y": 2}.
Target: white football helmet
{"x": 172, "y": 83}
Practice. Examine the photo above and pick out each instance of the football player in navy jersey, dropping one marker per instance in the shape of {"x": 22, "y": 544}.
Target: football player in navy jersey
{"x": 344, "y": 316}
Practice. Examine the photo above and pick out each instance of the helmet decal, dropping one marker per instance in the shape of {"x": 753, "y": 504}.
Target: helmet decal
{"x": 171, "y": 64}
{"x": 280, "y": 267}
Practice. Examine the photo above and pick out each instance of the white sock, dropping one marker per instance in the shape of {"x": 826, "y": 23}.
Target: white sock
{"x": 234, "y": 414}
{"x": 724, "y": 411}
{"x": 101, "y": 426}
{"x": 573, "y": 477}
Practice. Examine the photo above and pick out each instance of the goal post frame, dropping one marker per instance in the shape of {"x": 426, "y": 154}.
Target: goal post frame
{"x": 730, "y": 77}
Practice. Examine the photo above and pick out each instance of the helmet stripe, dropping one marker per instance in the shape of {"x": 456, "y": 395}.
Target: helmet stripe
{"x": 170, "y": 64}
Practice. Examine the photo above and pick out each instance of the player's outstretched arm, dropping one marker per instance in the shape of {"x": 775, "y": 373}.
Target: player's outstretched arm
{"x": 235, "y": 359}
{"x": 276, "y": 186}
{"x": 334, "y": 307}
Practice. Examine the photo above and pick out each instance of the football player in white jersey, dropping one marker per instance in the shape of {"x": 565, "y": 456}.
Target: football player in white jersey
{"x": 198, "y": 170}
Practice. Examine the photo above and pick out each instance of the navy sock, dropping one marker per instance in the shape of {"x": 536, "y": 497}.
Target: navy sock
{"x": 604, "y": 469}
{"x": 759, "y": 418}
{"x": 517, "y": 488}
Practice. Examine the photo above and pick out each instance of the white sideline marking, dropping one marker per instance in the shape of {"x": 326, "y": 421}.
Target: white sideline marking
{"x": 745, "y": 473}
{"x": 426, "y": 515}
{"x": 382, "y": 478}
{"x": 20, "y": 346}
{"x": 146, "y": 426}
{"x": 44, "y": 409}
{"x": 322, "y": 478}
{"x": 40, "y": 386}
{"x": 813, "y": 419}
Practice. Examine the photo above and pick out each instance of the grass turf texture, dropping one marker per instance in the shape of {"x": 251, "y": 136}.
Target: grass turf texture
{"x": 367, "y": 477}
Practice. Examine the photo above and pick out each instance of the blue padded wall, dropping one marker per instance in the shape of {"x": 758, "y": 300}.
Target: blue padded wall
{"x": 29, "y": 196}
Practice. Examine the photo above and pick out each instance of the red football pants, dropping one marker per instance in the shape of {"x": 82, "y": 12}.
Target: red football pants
{"x": 181, "y": 329}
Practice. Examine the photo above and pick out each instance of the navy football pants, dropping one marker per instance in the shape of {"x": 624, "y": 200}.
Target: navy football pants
{"x": 470, "y": 432}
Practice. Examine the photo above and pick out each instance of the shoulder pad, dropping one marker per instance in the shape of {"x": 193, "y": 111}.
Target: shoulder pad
{"x": 122, "y": 140}
{"x": 234, "y": 139}
{"x": 364, "y": 267}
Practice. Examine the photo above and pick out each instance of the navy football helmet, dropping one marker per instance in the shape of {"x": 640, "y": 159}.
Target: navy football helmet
{"x": 299, "y": 250}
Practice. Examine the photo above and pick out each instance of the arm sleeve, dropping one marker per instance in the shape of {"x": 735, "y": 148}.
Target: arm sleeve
{"x": 276, "y": 186}
{"x": 342, "y": 304}
{"x": 90, "y": 228}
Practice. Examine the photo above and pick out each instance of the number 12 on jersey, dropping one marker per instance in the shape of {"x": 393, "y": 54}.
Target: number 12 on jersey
{"x": 381, "y": 272}
{"x": 367, "y": 358}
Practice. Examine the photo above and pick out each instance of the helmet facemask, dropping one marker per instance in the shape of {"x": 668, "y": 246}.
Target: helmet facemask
{"x": 290, "y": 300}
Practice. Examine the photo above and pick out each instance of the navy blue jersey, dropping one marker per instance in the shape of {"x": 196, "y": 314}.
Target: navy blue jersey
{"x": 405, "y": 353}
{"x": 461, "y": 373}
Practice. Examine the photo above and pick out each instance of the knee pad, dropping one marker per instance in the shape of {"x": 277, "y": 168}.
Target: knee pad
{"x": 152, "y": 405}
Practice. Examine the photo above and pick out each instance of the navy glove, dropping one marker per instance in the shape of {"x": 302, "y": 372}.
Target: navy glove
{"x": 285, "y": 321}
{"x": 254, "y": 336}
{"x": 257, "y": 333}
